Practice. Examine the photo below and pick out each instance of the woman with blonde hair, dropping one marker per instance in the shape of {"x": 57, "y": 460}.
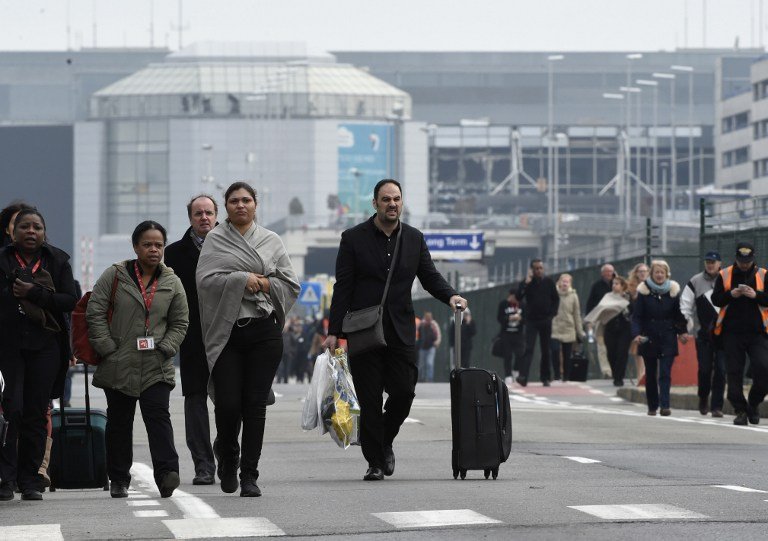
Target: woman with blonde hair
{"x": 656, "y": 323}
{"x": 637, "y": 275}
{"x": 566, "y": 326}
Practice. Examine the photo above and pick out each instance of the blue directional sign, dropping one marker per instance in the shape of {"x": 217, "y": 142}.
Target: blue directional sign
{"x": 459, "y": 245}
{"x": 311, "y": 294}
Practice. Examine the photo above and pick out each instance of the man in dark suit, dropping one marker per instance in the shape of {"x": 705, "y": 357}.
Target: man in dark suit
{"x": 362, "y": 264}
{"x": 182, "y": 257}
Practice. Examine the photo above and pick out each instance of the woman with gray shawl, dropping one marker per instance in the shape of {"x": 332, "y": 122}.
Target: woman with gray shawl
{"x": 610, "y": 318}
{"x": 246, "y": 286}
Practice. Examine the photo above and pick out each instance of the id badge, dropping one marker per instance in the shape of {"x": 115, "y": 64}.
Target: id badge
{"x": 145, "y": 343}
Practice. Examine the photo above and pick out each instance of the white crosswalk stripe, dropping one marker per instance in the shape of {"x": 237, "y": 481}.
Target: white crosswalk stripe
{"x": 638, "y": 512}
{"x": 435, "y": 519}
{"x": 582, "y": 460}
{"x": 215, "y": 528}
{"x": 738, "y": 488}
{"x": 32, "y": 532}
{"x": 150, "y": 513}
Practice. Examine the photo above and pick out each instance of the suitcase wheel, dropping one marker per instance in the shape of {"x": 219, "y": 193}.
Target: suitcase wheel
{"x": 455, "y": 473}
{"x": 495, "y": 472}
{"x": 487, "y": 473}
{"x": 463, "y": 474}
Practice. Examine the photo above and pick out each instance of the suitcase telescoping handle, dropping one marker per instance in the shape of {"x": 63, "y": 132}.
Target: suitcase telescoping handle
{"x": 457, "y": 314}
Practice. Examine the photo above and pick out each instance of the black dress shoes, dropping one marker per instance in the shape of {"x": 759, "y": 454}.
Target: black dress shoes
{"x": 522, "y": 381}
{"x": 118, "y": 489}
{"x": 203, "y": 479}
{"x": 741, "y": 418}
{"x": 229, "y": 482}
{"x": 389, "y": 461}
{"x": 31, "y": 494}
{"x": 6, "y": 492}
{"x": 249, "y": 489}
{"x": 374, "y": 473}
{"x": 169, "y": 483}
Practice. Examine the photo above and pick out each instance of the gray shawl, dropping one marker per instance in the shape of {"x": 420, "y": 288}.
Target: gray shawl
{"x": 222, "y": 272}
{"x": 611, "y": 305}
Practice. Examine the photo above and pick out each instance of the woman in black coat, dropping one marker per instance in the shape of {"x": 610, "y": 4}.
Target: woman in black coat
{"x": 37, "y": 290}
{"x": 656, "y": 323}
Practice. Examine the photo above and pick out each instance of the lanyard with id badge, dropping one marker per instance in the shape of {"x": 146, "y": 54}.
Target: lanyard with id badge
{"x": 146, "y": 342}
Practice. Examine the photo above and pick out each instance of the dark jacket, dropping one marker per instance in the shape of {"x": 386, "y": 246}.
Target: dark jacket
{"x": 182, "y": 257}
{"x": 659, "y": 318}
{"x": 599, "y": 289}
{"x": 541, "y": 299}
{"x": 502, "y": 316}
{"x": 743, "y": 314}
{"x": 58, "y": 303}
{"x": 361, "y": 273}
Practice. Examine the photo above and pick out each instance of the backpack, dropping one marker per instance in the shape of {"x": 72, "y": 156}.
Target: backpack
{"x": 81, "y": 346}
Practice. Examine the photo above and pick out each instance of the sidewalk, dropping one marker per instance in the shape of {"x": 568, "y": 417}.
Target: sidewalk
{"x": 682, "y": 397}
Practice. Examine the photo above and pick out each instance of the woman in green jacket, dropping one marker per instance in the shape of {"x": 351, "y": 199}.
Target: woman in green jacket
{"x": 149, "y": 318}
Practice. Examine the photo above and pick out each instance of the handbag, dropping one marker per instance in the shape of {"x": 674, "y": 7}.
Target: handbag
{"x": 364, "y": 328}
{"x": 497, "y": 346}
{"x": 81, "y": 346}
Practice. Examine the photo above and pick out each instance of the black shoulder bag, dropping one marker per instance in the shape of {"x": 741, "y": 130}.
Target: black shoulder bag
{"x": 364, "y": 328}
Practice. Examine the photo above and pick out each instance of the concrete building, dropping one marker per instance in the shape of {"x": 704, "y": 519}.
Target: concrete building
{"x": 312, "y": 135}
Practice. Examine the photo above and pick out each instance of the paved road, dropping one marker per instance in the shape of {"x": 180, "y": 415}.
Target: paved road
{"x": 585, "y": 464}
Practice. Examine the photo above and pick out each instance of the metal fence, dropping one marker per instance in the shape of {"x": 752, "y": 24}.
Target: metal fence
{"x": 723, "y": 225}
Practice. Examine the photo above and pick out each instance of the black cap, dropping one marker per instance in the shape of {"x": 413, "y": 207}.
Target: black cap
{"x": 745, "y": 252}
{"x": 712, "y": 255}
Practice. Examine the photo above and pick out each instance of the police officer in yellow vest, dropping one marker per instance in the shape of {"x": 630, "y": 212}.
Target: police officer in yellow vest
{"x": 742, "y": 326}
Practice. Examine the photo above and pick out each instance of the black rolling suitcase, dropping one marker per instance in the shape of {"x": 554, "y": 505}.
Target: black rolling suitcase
{"x": 481, "y": 419}
{"x": 579, "y": 365}
{"x": 79, "y": 451}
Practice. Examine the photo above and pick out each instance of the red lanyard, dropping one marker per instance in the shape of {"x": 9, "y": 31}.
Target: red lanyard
{"x": 24, "y": 265}
{"x": 148, "y": 298}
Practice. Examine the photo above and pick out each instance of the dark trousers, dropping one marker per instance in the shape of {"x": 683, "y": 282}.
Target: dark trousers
{"x": 198, "y": 431}
{"x": 556, "y": 347}
{"x": 513, "y": 345}
{"x": 737, "y": 347}
{"x": 617, "y": 347}
{"x": 392, "y": 370}
{"x": 155, "y": 412}
{"x": 711, "y": 372}
{"x": 658, "y": 379}
{"x": 242, "y": 378}
{"x": 542, "y": 329}
{"x": 30, "y": 378}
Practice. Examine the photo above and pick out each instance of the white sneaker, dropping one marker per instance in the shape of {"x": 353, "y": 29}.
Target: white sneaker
{"x": 508, "y": 381}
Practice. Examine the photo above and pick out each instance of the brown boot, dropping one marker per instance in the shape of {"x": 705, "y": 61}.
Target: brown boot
{"x": 43, "y": 471}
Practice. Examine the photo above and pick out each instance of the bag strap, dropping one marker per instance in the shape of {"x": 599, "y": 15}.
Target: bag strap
{"x": 392, "y": 265}
{"x": 111, "y": 304}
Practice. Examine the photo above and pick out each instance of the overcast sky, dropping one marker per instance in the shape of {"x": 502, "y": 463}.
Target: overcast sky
{"x": 429, "y": 25}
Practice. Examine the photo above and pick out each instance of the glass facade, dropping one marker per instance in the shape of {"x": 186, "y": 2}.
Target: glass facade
{"x": 136, "y": 174}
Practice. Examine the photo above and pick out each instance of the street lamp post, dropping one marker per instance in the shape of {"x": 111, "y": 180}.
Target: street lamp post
{"x": 619, "y": 180}
{"x": 556, "y": 177}
{"x": 551, "y": 59}
{"x": 655, "y": 86}
{"x": 673, "y": 145}
{"x": 629, "y": 90}
{"x": 689, "y": 70}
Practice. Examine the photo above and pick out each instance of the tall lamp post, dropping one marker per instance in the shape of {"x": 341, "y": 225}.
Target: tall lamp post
{"x": 619, "y": 180}
{"x": 551, "y": 59}
{"x": 689, "y": 71}
{"x": 655, "y": 158}
{"x": 556, "y": 227}
{"x": 672, "y": 142}
{"x": 629, "y": 90}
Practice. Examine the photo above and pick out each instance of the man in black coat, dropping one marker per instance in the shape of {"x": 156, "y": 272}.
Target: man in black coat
{"x": 542, "y": 301}
{"x": 182, "y": 257}
{"x": 362, "y": 264}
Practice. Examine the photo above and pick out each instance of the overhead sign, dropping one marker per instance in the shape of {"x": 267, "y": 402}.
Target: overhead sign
{"x": 310, "y": 294}
{"x": 459, "y": 245}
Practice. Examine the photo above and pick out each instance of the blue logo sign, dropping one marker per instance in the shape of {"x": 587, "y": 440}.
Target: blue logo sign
{"x": 455, "y": 245}
{"x": 311, "y": 294}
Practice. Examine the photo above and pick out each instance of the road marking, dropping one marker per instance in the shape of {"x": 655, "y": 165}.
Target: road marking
{"x": 637, "y": 512}
{"x": 32, "y": 532}
{"x": 518, "y": 398}
{"x": 192, "y": 528}
{"x": 411, "y": 420}
{"x": 434, "y": 519}
{"x": 582, "y": 460}
{"x": 137, "y": 496}
{"x": 616, "y": 399}
{"x": 189, "y": 505}
{"x": 151, "y": 513}
{"x": 142, "y": 503}
{"x": 738, "y": 488}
